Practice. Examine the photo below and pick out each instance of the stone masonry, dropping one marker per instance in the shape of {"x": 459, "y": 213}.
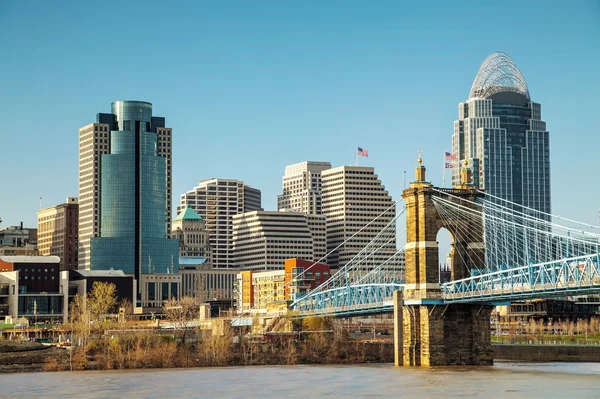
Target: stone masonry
{"x": 435, "y": 334}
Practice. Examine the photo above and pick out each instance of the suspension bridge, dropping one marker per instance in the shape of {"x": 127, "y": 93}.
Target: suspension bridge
{"x": 500, "y": 252}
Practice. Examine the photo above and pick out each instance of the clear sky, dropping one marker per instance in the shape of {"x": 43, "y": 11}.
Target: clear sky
{"x": 252, "y": 86}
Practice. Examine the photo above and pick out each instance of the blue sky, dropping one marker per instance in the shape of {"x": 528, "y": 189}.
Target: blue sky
{"x": 251, "y": 86}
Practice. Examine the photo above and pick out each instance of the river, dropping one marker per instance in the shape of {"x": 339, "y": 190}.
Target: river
{"x": 504, "y": 380}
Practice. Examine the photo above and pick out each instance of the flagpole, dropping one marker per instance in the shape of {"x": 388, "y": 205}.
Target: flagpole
{"x": 355, "y": 158}
{"x": 444, "y": 171}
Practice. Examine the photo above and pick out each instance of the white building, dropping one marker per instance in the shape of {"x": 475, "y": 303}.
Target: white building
{"x": 301, "y": 186}
{"x": 353, "y": 196}
{"x": 217, "y": 201}
{"x": 263, "y": 240}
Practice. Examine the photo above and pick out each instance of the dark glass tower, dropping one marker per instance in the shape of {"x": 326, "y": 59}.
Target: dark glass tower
{"x": 500, "y": 133}
{"x": 135, "y": 185}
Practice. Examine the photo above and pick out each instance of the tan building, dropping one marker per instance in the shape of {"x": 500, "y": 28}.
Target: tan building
{"x": 190, "y": 229}
{"x": 261, "y": 291}
{"x": 58, "y": 232}
{"x": 94, "y": 140}
{"x": 301, "y": 187}
{"x": 263, "y": 240}
{"x": 217, "y": 201}
{"x": 353, "y": 196}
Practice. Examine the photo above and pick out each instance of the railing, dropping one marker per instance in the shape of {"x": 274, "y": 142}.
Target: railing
{"x": 347, "y": 299}
{"x": 571, "y": 276}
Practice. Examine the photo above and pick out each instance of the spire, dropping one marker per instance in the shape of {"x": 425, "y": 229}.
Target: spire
{"x": 420, "y": 169}
{"x": 465, "y": 174}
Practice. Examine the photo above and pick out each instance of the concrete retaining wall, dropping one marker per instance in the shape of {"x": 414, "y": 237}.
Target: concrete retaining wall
{"x": 547, "y": 353}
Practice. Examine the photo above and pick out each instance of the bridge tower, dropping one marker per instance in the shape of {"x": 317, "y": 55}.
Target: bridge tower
{"x": 434, "y": 333}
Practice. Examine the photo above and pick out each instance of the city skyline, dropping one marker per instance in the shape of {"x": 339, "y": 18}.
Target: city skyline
{"x": 373, "y": 79}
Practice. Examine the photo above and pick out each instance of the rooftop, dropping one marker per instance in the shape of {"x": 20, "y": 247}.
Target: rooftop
{"x": 498, "y": 74}
{"x": 30, "y": 259}
{"x": 188, "y": 214}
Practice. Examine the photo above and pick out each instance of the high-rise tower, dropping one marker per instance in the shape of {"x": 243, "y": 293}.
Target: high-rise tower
{"x": 125, "y": 191}
{"x": 217, "y": 201}
{"x": 500, "y": 133}
{"x": 353, "y": 197}
{"x": 302, "y": 187}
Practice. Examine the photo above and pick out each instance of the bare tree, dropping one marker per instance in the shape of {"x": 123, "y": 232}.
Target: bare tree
{"x": 181, "y": 313}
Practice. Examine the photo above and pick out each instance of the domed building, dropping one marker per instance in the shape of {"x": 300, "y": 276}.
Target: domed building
{"x": 501, "y": 134}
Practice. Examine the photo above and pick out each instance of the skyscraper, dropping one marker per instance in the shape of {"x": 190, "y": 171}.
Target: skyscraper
{"x": 302, "y": 187}
{"x": 353, "y": 196}
{"x": 217, "y": 201}
{"x": 94, "y": 142}
{"x": 500, "y": 133}
{"x": 263, "y": 240}
{"x": 125, "y": 183}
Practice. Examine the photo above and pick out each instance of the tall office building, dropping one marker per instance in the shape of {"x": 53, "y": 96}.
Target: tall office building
{"x": 95, "y": 140}
{"x": 353, "y": 196}
{"x": 217, "y": 201}
{"x": 263, "y": 240}
{"x": 58, "y": 232}
{"x": 125, "y": 181}
{"x": 500, "y": 133}
{"x": 302, "y": 187}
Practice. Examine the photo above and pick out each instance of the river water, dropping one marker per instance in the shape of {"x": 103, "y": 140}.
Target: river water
{"x": 504, "y": 380}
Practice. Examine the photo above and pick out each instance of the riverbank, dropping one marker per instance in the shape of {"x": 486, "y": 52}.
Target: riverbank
{"x": 149, "y": 351}
{"x": 17, "y": 357}
{"x": 547, "y": 353}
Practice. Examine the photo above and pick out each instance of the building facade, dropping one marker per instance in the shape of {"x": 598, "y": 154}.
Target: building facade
{"x": 353, "y": 197}
{"x": 500, "y": 133}
{"x": 217, "y": 201}
{"x": 200, "y": 280}
{"x": 33, "y": 287}
{"x": 263, "y": 240}
{"x": 58, "y": 233}
{"x": 301, "y": 185}
{"x": 301, "y": 277}
{"x": 190, "y": 230}
{"x": 274, "y": 290}
{"x": 18, "y": 237}
{"x": 139, "y": 141}
{"x": 129, "y": 194}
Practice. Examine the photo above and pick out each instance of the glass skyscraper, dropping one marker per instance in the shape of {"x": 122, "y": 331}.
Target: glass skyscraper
{"x": 135, "y": 186}
{"x": 500, "y": 133}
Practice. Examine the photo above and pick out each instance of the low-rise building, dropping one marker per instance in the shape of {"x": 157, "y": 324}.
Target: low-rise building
{"x": 33, "y": 287}
{"x": 200, "y": 280}
{"x": 273, "y": 291}
{"x": 18, "y": 236}
{"x": 301, "y": 277}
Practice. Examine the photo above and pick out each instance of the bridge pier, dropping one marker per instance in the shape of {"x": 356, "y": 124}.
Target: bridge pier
{"x": 398, "y": 329}
{"x": 436, "y": 334}
{"x": 443, "y": 335}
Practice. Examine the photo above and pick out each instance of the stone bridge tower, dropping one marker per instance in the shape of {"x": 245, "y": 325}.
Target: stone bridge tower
{"x": 435, "y": 333}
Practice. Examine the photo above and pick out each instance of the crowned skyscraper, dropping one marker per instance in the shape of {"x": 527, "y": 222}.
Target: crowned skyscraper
{"x": 501, "y": 134}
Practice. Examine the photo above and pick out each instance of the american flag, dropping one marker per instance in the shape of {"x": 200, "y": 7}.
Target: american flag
{"x": 450, "y": 157}
{"x": 362, "y": 152}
